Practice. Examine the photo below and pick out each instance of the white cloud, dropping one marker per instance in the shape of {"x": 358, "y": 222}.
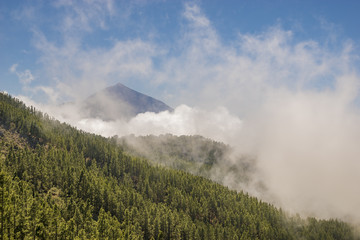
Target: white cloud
{"x": 193, "y": 13}
{"x": 25, "y": 77}
{"x": 183, "y": 121}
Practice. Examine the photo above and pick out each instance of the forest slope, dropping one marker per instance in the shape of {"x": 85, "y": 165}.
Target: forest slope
{"x": 197, "y": 155}
{"x": 57, "y": 182}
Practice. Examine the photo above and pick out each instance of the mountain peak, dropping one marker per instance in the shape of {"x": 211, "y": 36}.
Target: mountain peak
{"x": 121, "y": 102}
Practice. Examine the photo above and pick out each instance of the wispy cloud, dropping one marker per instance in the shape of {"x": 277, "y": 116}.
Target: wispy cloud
{"x": 194, "y": 15}
{"x": 25, "y": 77}
{"x": 13, "y": 68}
{"x": 84, "y": 15}
{"x": 72, "y": 67}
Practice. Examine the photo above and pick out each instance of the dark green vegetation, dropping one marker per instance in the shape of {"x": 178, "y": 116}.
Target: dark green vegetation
{"x": 57, "y": 182}
{"x": 184, "y": 152}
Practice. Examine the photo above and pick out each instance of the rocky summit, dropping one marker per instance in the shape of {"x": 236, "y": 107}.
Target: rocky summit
{"x": 120, "y": 102}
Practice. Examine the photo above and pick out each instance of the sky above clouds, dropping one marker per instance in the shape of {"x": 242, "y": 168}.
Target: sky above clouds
{"x": 278, "y": 80}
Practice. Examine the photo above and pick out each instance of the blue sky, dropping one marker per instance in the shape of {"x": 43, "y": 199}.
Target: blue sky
{"x": 60, "y": 50}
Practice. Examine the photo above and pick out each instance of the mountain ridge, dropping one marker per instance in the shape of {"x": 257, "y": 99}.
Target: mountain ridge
{"x": 120, "y": 102}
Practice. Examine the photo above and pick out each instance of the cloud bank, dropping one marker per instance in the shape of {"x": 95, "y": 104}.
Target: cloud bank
{"x": 292, "y": 104}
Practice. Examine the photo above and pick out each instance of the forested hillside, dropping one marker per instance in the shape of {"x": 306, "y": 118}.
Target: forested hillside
{"x": 196, "y": 155}
{"x": 57, "y": 182}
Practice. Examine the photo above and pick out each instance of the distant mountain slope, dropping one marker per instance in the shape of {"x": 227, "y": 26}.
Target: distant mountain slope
{"x": 120, "y": 102}
{"x": 196, "y": 155}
